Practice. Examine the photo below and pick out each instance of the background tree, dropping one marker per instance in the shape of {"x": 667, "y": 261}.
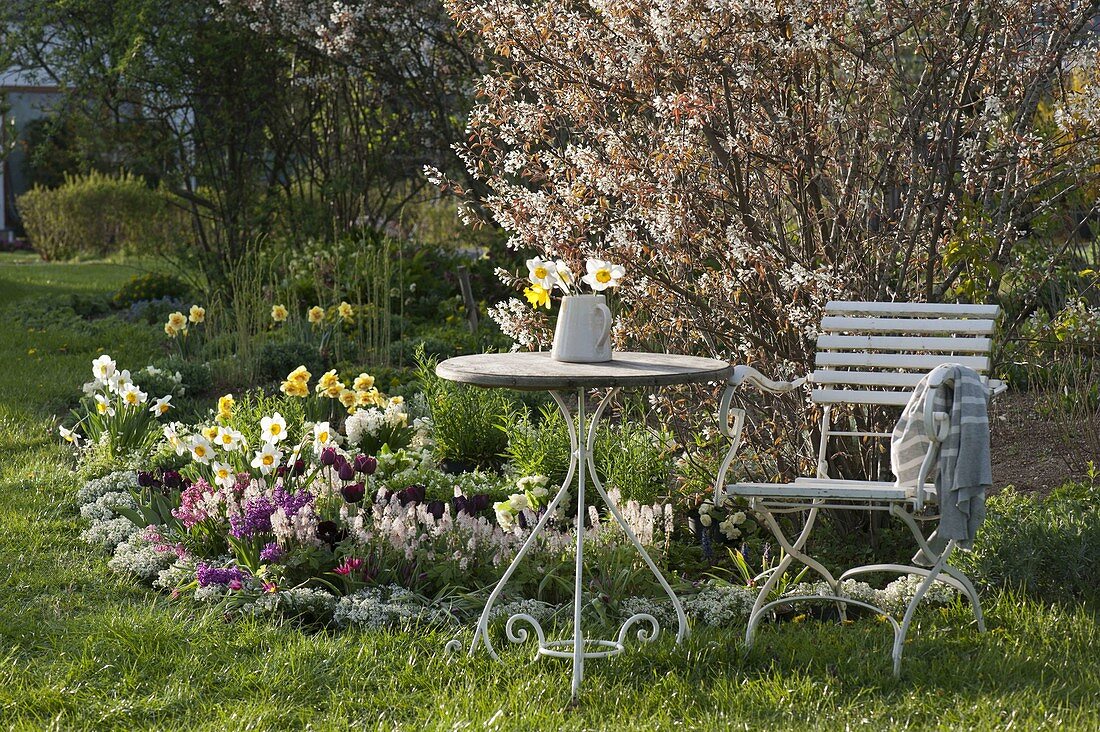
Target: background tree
{"x": 749, "y": 161}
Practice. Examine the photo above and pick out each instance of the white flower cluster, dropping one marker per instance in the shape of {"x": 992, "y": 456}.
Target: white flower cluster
{"x": 374, "y": 421}
{"x": 537, "y": 609}
{"x": 661, "y": 609}
{"x": 107, "y": 535}
{"x": 393, "y": 606}
{"x": 721, "y": 605}
{"x": 178, "y": 573}
{"x": 532, "y": 491}
{"x": 139, "y": 557}
{"x": 104, "y": 507}
{"x": 893, "y": 598}
{"x": 121, "y": 481}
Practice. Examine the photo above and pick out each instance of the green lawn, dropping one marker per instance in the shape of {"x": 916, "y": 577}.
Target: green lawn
{"x": 82, "y": 648}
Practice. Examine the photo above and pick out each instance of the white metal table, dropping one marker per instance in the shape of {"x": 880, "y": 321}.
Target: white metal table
{"x": 537, "y": 371}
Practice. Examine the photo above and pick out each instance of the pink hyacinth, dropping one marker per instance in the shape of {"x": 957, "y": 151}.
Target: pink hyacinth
{"x": 190, "y": 511}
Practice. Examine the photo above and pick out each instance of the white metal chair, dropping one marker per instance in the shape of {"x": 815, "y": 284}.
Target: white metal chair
{"x": 868, "y": 353}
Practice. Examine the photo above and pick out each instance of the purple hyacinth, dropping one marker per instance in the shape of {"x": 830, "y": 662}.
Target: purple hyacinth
{"x": 208, "y": 574}
{"x": 272, "y": 553}
{"x": 255, "y": 520}
{"x": 291, "y": 503}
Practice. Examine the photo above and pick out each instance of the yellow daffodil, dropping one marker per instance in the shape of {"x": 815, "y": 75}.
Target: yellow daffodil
{"x": 299, "y": 374}
{"x": 346, "y": 311}
{"x": 363, "y": 382}
{"x": 279, "y": 313}
{"x": 347, "y": 398}
{"x": 170, "y": 331}
{"x": 177, "y": 320}
{"x": 294, "y": 388}
{"x": 197, "y": 314}
{"x": 397, "y": 401}
{"x": 316, "y": 314}
{"x": 210, "y": 432}
{"x": 225, "y": 406}
{"x": 538, "y": 295}
{"x": 364, "y": 398}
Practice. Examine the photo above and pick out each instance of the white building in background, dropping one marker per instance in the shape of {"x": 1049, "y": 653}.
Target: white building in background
{"x": 25, "y": 95}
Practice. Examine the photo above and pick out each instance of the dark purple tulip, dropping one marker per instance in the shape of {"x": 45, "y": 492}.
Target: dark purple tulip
{"x": 328, "y": 456}
{"x": 353, "y": 492}
{"x": 145, "y": 479}
{"x": 172, "y": 479}
{"x": 280, "y": 471}
{"x": 412, "y": 494}
{"x": 330, "y": 533}
{"x": 461, "y": 503}
{"x": 480, "y": 502}
{"x": 346, "y": 471}
{"x": 436, "y": 509}
{"x": 365, "y": 464}
{"x": 299, "y": 468}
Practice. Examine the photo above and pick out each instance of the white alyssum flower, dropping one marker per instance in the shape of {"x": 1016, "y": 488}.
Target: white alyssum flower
{"x": 120, "y": 481}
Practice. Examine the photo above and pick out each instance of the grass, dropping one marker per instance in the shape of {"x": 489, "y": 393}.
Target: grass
{"x": 81, "y": 648}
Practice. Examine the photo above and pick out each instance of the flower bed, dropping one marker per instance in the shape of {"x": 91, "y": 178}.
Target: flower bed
{"x": 266, "y": 509}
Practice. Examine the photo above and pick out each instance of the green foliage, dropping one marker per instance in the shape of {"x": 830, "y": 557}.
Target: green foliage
{"x": 1048, "y": 547}
{"x": 277, "y": 359}
{"x": 629, "y": 456}
{"x": 96, "y": 215}
{"x": 465, "y": 419}
{"x": 150, "y": 286}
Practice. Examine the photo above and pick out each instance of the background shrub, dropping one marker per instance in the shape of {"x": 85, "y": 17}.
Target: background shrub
{"x": 151, "y": 286}
{"x": 1048, "y": 547}
{"x": 98, "y": 214}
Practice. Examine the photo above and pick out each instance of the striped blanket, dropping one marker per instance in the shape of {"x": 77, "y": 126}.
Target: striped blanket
{"x": 962, "y": 471}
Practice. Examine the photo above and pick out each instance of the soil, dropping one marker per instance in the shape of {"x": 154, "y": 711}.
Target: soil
{"x": 1028, "y": 449}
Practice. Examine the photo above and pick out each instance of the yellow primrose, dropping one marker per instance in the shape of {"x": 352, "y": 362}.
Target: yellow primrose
{"x": 197, "y": 314}
{"x": 346, "y": 311}
{"x": 363, "y": 382}
{"x": 225, "y": 406}
{"x": 279, "y": 313}
{"x": 538, "y": 295}
{"x": 316, "y": 314}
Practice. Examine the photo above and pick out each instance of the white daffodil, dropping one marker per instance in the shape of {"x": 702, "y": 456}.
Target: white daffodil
{"x": 274, "y": 428}
{"x": 267, "y": 459}
{"x": 161, "y": 406}
{"x": 201, "y": 449}
{"x": 542, "y": 272}
{"x": 224, "y": 475}
{"x": 602, "y": 274}
{"x": 322, "y": 436}
{"x": 229, "y": 439}
{"x": 93, "y": 386}
{"x": 565, "y": 275}
{"x": 103, "y": 368}
{"x": 132, "y": 396}
{"x": 69, "y": 435}
{"x": 119, "y": 380}
{"x": 103, "y": 405}
{"x": 171, "y": 434}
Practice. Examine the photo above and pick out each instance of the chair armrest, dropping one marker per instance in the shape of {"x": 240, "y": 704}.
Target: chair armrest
{"x": 747, "y": 374}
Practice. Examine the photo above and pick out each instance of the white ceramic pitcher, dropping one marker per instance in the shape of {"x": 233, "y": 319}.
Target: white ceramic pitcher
{"x": 583, "y": 331}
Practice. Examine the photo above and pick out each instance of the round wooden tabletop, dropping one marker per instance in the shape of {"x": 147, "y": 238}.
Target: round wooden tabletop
{"x": 537, "y": 371}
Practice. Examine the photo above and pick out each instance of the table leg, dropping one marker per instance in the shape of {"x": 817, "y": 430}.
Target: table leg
{"x": 582, "y": 443}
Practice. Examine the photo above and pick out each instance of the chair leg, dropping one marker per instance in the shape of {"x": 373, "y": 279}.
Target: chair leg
{"x": 963, "y": 582}
{"x": 793, "y": 551}
{"x": 899, "y": 640}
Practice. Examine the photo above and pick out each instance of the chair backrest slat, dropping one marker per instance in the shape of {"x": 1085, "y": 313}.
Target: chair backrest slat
{"x": 876, "y": 352}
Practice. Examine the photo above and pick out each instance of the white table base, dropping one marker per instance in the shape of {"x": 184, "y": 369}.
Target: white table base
{"x": 578, "y": 647}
